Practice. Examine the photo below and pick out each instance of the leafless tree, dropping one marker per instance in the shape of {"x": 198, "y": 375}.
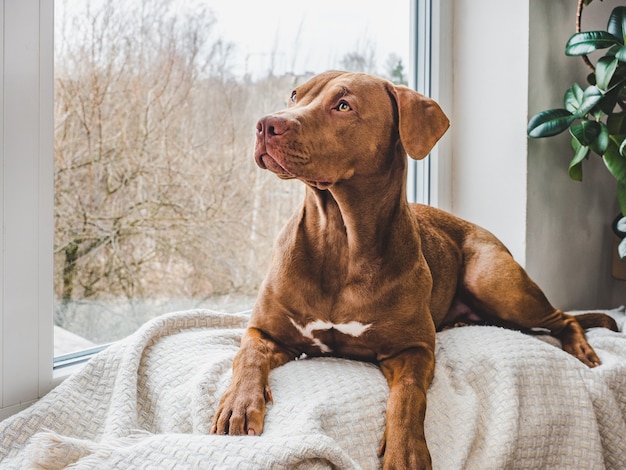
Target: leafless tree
{"x": 157, "y": 197}
{"x": 156, "y": 192}
{"x": 361, "y": 59}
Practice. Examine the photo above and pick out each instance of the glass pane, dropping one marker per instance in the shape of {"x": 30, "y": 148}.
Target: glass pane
{"x": 159, "y": 205}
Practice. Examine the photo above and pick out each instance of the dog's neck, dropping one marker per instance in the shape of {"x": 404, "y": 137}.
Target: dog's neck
{"x": 363, "y": 213}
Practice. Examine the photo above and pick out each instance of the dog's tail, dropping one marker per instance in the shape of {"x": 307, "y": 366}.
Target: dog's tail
{"x": 596, "y": 320}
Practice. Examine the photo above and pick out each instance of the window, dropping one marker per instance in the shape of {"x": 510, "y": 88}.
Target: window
{"x": 159, "y": 205}
{"x": 32, "y": 248}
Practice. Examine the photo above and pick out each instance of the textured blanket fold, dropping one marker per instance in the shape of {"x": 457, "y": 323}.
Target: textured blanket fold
{"x": 500, "y": 399}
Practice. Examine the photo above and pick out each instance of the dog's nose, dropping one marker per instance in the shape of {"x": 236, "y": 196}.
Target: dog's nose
{"x": 272, "y": 125}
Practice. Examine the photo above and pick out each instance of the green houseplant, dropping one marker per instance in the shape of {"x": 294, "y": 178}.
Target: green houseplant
{"x": 595, "y": 115}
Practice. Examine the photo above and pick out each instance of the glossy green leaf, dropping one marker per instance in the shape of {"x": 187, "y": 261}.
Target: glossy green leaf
{"x": 591, "y": 97}
{"x": 616, "y": 123}
{"x": 617, "y": 23}
{"x": 579, "y": 102}
{"x": 621, "y": 248}
{"x": 591, "y": 79}
{"x": 615, "y": 162}
{"x": 549, "y": 123}
{"x": 613, "y": 50}
{"x": 621, "y": 54}
{"x": 573, "y": 98}
{"x": 605, "y": 68}
{"x": 576, "y": 172}
{"x": 600, "y": 144}
{"x": 587, "y": 42}
{"x": 575, "y": 169}
{"x": 609, "y": 100}
{"x": 586, "y": 132}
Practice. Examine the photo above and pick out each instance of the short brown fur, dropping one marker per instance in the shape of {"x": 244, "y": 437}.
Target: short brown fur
{"x": 357, "y": 251}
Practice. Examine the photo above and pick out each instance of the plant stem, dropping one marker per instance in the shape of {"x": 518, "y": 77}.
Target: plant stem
{"x": 579, "y": 15}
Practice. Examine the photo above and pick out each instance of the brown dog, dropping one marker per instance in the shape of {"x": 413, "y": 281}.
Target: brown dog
{"x": 360, "y": 273}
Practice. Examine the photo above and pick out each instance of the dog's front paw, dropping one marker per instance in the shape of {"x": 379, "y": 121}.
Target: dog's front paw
{"x": 241, "y": 411}
{"x": 408, "y": 454}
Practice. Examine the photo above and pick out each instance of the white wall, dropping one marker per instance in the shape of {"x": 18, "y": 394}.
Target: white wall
{"x": 506, "y": 68}
{"x": 490, "y": 79}
{"x": 569, "y": 240}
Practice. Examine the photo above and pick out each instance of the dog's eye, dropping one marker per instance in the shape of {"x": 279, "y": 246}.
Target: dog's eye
{"x": 294, "y": 96}
{"x": 343, "y": 107}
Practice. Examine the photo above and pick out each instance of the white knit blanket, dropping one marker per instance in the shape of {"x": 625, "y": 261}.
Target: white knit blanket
{"x": 500, "y": 400}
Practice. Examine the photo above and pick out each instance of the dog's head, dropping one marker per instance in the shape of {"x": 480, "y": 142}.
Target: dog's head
{"x": 341, "y": 124}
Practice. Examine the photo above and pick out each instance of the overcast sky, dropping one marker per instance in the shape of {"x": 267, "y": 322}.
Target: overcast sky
{"x": 298, "y": 35}
{"x": 322, "y": 31}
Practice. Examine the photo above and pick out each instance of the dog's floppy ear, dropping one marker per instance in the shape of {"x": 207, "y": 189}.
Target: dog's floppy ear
{"x": 421, "y": 121}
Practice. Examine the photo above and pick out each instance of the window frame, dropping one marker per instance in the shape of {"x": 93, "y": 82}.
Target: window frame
{"x": 27, "y": 189}
{"x": 430, "y": 73}
{"x": 26, "y": 125}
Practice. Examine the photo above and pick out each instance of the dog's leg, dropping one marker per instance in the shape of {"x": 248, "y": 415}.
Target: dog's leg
{"x": 409, "y": 375}
{"x": 498, "y": 286}
{"x": 242, "y": 408}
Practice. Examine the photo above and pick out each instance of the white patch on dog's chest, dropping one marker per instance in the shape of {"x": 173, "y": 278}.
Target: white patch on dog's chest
{"x": 353, "y": 328}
